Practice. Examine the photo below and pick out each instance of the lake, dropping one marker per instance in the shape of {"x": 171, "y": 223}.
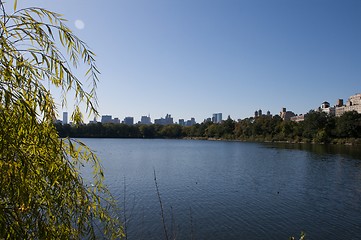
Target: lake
{"x": 234, "y": 190}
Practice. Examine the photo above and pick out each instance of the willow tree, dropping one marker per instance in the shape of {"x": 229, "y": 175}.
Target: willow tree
{"x": 42, "y": 192}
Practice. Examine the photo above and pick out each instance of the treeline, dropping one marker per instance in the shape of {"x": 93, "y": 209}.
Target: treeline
{"x": 317, "y": 127}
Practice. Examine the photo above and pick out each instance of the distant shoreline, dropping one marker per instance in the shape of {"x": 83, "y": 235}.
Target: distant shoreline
{"x": 316, "y": 128}
{"x": 352, "y": 142}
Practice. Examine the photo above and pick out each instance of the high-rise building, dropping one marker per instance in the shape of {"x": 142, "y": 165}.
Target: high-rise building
{"x": 286, "y": 115}
{"x": 116, "y": 120}
{"x": 145, "y": 120}
{"x": 128, "y": 121}
{"x": 168, "y": 119}
{"x": 217, "y": 118}
{"x": 65, "y": 117}
{"x": 325, "y": 105}
{"x": 164, "y": 121}
{"x": 190, "y": 122}
{"x": 326, "y": 108}
{"x": 106, "y": 119}
{"x": 109, "y": 119}
{"x": 187, "y": 123}
{"x": 339, "y": 103}
{"x": 181, "y": 122}
{"x": 207, "y": 120}
{"x": 352, "y": 104}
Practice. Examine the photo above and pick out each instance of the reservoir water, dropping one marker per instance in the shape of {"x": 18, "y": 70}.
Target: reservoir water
{"x": 233, "y": 190}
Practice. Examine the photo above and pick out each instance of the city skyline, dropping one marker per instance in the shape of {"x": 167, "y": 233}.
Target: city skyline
{"x": 195, "y": 58}
{"x": 353, "y": 103}
{"x": 213, "y": 116}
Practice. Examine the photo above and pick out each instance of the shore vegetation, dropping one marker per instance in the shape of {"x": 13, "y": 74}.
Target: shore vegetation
{"x": 318, "y": 127}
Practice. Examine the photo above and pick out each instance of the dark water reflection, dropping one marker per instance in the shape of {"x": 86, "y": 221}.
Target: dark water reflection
{"x": 233, "y": 190}
{"x": 322, "y": 149}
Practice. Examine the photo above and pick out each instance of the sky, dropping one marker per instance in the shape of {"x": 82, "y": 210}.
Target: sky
{"x": 193, "y": 58}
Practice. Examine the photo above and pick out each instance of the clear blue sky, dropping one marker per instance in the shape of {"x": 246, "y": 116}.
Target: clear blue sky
{"x": 192, "y": 58}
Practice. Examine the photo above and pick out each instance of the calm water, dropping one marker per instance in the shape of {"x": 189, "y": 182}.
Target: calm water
{"x": 233, "y": 190}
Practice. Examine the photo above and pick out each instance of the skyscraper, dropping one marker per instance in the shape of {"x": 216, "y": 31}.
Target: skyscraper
{"x": 217, "y": 117}
{"x": 164, "y": 121}
{"x": 106, "y": 119}
{"x": 181, "y": 122}
{"x": 145, "y": 120}
{"x": 65, "y": 117}
{"x": 128, "y": 121}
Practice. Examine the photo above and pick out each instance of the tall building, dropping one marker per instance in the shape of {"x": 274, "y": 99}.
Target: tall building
{"x": 286, "y": 115}
{"x": 187, "y": 123}
{"x": 145, "y": 120}
{"x": 217, "y": 117}
{"x": 325, "y": 105}
{"x": 65, "y": 117}
{"x": 109, "y": 119}
{"x": 259, "y": 113}
{"x": 190, "y": 122}
{"x": 168, "y": 119}
{"x": 207, "y": 120}
{"x": 326, "y": 108}
{"x": 106, "y": 119}
{"x": 164, "y": 121}
{"x": 181, "y": 122}
{"x": 339, "y": 103}
{"x": 128, "y": 121}
{"x": 352, "y": 104}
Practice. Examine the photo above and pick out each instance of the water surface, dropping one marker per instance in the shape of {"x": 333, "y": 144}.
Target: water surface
{"x": 234, "y": 190}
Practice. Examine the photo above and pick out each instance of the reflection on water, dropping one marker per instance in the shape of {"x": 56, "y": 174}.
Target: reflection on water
{"x": 235, "y": 190}
{"x": 322, "y": 149}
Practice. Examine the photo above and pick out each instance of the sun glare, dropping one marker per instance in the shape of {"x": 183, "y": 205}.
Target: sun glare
{"x": 79, "y": 24}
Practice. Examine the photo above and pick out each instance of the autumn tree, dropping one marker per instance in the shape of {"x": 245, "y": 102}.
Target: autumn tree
{"x": 42, "y": 192}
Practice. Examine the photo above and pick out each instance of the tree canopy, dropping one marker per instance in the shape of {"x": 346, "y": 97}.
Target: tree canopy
{"x": 42, "y": 192}
{"x": 317, "y": 127}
